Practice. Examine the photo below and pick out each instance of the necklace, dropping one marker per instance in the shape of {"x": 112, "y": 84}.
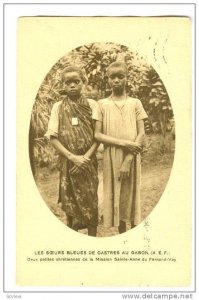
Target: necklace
{"x": 119, "y": 104}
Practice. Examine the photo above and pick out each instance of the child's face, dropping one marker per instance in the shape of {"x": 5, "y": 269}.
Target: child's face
{"x": 117, "y": 79}
{"x": 72, "y": 84}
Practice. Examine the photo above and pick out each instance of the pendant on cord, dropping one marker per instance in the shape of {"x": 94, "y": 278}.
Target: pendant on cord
{"x": 75, "y": 121}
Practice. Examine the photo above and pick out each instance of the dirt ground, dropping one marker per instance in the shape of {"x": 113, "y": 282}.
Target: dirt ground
{"x": 156, "y": 168}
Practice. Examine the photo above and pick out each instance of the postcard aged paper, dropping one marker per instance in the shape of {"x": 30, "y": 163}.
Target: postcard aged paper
{"x": 157, "y": 252}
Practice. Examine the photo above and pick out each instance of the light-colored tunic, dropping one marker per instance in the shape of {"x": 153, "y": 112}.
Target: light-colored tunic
{"x": 121, "y": 199}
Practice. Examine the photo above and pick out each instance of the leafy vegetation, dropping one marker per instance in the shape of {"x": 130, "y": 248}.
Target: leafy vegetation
{"x": 143, "y": 83}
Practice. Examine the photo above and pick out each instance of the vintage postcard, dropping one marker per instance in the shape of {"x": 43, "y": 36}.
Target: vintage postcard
{"x": 104, "y": 152}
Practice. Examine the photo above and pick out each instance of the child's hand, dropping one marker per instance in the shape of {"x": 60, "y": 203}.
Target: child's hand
{"x": 125, "y": 170}
{"x": 133, "y": 147}
{"x": 80, "y": 161}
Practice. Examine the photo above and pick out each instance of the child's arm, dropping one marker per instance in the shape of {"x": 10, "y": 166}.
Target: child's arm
{"x": 126, "y": 165}
{"x": 79, "y": 160}
{"x": 141, "y": 132}
{"x": 131, "y": 146}
{"x": 92, "y": 150}
{"x": 87, "y": 155}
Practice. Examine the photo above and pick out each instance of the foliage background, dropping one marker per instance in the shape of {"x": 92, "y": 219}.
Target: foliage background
{"x": 143, "y": 83}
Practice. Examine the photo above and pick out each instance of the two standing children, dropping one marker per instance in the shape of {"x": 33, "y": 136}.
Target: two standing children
{"x": 119, "y": 126}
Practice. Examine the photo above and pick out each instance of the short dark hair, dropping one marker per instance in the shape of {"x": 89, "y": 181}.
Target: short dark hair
{"x": 117, "y": 64}
{"x": 72, "y": 68}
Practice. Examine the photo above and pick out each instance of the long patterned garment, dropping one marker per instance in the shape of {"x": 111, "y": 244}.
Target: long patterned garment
{"x": 78, "y": 192}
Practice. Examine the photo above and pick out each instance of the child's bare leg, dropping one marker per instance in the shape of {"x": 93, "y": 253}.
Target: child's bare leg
{"x": 69, "y": 220}
{"x": 70, "y": 223}
{"x": 132, "y": 224}
{"x": 122, "y": 227}
{"x": 92, "y": 230}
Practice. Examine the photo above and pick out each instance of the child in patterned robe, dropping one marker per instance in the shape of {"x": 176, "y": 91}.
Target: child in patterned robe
{"x": 71, "y": 132}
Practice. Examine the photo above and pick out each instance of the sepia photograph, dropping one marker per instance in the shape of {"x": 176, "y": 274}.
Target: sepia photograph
{"x": 102, "y": 139}
{"x": 103, "y": 153}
